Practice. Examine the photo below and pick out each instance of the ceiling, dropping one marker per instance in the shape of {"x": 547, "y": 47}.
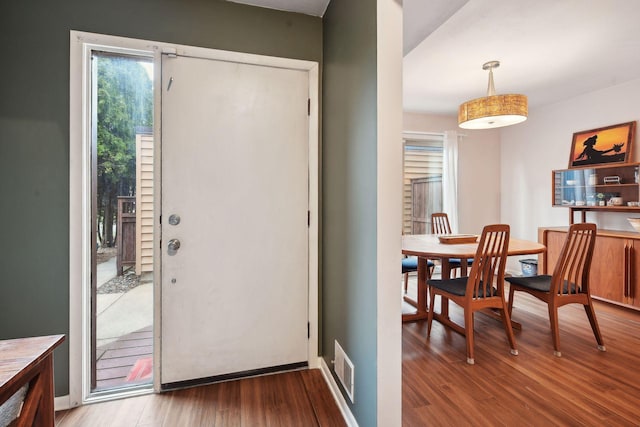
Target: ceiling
{"x": 308, "y": 7}
{"x": 549, "y": 50}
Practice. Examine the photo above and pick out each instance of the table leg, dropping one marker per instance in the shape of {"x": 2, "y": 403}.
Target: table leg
{"x": 445, "y": 273}
{"x": 464, "y": 267}
{"x": 37, "y": 408}
{"x": 46, "y": 414}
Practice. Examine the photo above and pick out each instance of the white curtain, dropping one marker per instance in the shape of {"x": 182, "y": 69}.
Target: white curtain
{"x": 450, "y": 178}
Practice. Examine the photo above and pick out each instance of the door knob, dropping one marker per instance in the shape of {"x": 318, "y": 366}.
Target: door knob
{"x": 173, "y": 246}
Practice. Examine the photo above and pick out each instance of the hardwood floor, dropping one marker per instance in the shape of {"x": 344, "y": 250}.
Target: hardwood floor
{"x": 583, "y": 387}
{"x": 299, "y": 398}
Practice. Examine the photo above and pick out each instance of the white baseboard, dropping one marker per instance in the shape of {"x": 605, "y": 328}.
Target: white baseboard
{"x": 337, "y": 394}
{"x": 61, "y": 403}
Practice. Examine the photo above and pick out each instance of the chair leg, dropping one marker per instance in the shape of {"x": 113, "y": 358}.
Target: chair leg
{"x": 555, "y": 329}
{"x": 406, "y": 282}
{"x": 468, "y": 332}
{"x": 506, "y": 319}
{"x": 512, "y": 291}
{"x": 432, "y": 297}
{"x": 591, "y": 314}
{"x": 426, "y": 298}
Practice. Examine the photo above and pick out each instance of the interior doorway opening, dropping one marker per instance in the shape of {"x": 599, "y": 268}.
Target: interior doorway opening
{"x": 121, "y": 303}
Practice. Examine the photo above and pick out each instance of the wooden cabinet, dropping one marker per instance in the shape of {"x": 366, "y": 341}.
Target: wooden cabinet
{"x": 615, "y": 269}
{"x": 591, "y": 189}
{"x": 609, "y": 268}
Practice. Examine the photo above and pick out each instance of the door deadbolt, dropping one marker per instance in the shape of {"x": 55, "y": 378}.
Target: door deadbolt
{"x": 174, "y": 219}
{"x": 173, "y": 246}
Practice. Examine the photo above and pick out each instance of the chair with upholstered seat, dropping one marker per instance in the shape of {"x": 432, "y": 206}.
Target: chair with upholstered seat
{"x": 440, "y": 225}
{"x": 409, "y": 265}
{"x": 568, "y": 284}
{"x": 482, "y": 289}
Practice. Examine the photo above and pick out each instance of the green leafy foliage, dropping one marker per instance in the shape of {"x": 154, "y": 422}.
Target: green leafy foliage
{"x": 125, "y": 104}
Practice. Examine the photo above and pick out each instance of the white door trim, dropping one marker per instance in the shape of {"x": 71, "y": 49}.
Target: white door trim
{"x": 79, "y": 181}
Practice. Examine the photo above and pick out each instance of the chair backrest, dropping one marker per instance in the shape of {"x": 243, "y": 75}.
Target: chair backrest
{"x": 440, "y": 223}
{"x": 571, "y": 273}
{"x": 489, "y": 263}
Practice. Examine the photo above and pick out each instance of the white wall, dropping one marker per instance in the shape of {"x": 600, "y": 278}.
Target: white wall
{"x": 389, "y": 214}
{"x": 531, "y": 150}
{"x": 478, "y": 169}
{"x": 505, "y": 174}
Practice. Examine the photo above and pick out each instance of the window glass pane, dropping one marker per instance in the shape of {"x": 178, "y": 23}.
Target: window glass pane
{"x": 422, "y": 159}
{"x": 122, "y": 298}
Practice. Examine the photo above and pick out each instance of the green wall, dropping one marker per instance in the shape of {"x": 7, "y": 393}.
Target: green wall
{"x": 349, "y": 195}
{"x": 34, "y": 127}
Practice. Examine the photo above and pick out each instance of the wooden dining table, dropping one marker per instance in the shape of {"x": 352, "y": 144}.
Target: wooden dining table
{"x": 429, "y": 246}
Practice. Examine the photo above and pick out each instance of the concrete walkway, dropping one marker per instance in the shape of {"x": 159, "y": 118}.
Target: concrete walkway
{"x": 121, "y": 313}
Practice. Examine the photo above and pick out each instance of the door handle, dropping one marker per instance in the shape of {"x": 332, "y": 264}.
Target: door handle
{"x": 631, "y": 276}
{"x": 627, "y": 271}
{"x": 173, "y": 246}
{"x": 174, "y": 219}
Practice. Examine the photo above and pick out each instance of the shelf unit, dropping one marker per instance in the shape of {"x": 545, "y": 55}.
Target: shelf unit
{"x": 591, "y": 189}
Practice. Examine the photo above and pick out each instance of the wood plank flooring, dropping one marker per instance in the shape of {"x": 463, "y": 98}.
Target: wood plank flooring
{"x": 583, "y": 387}
{"x": 299, "y": 398}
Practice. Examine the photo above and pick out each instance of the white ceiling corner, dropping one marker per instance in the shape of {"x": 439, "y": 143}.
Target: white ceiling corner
{"x": 307, "y": 7}
{"x": 423, "y": 17}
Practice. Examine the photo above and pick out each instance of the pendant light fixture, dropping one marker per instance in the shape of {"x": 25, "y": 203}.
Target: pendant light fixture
{"x": 492, "y": 111}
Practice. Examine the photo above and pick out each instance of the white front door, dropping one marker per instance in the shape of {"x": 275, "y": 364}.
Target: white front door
{"x": 235, "y": 170}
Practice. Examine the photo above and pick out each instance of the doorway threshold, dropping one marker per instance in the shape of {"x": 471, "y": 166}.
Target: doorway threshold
{"x": 119, "y": 393}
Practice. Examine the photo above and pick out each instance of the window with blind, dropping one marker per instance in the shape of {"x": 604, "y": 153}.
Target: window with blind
{"x": 422, "y": 166}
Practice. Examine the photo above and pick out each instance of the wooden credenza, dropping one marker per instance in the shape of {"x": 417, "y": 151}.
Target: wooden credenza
{"x": 615, "y": 269}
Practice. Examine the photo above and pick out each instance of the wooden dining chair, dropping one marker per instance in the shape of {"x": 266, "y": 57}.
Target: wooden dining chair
{"x": 440, "y": 225}
{"x": 482, "y": 289}
{"x": 409, "y": 265}
{"x": 568, "y": 284}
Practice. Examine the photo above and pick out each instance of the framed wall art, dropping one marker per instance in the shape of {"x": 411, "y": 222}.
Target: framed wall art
{"x": 611, "y": 144}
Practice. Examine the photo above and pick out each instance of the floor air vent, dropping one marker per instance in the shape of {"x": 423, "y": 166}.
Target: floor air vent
{"x": 344, "y": 370}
